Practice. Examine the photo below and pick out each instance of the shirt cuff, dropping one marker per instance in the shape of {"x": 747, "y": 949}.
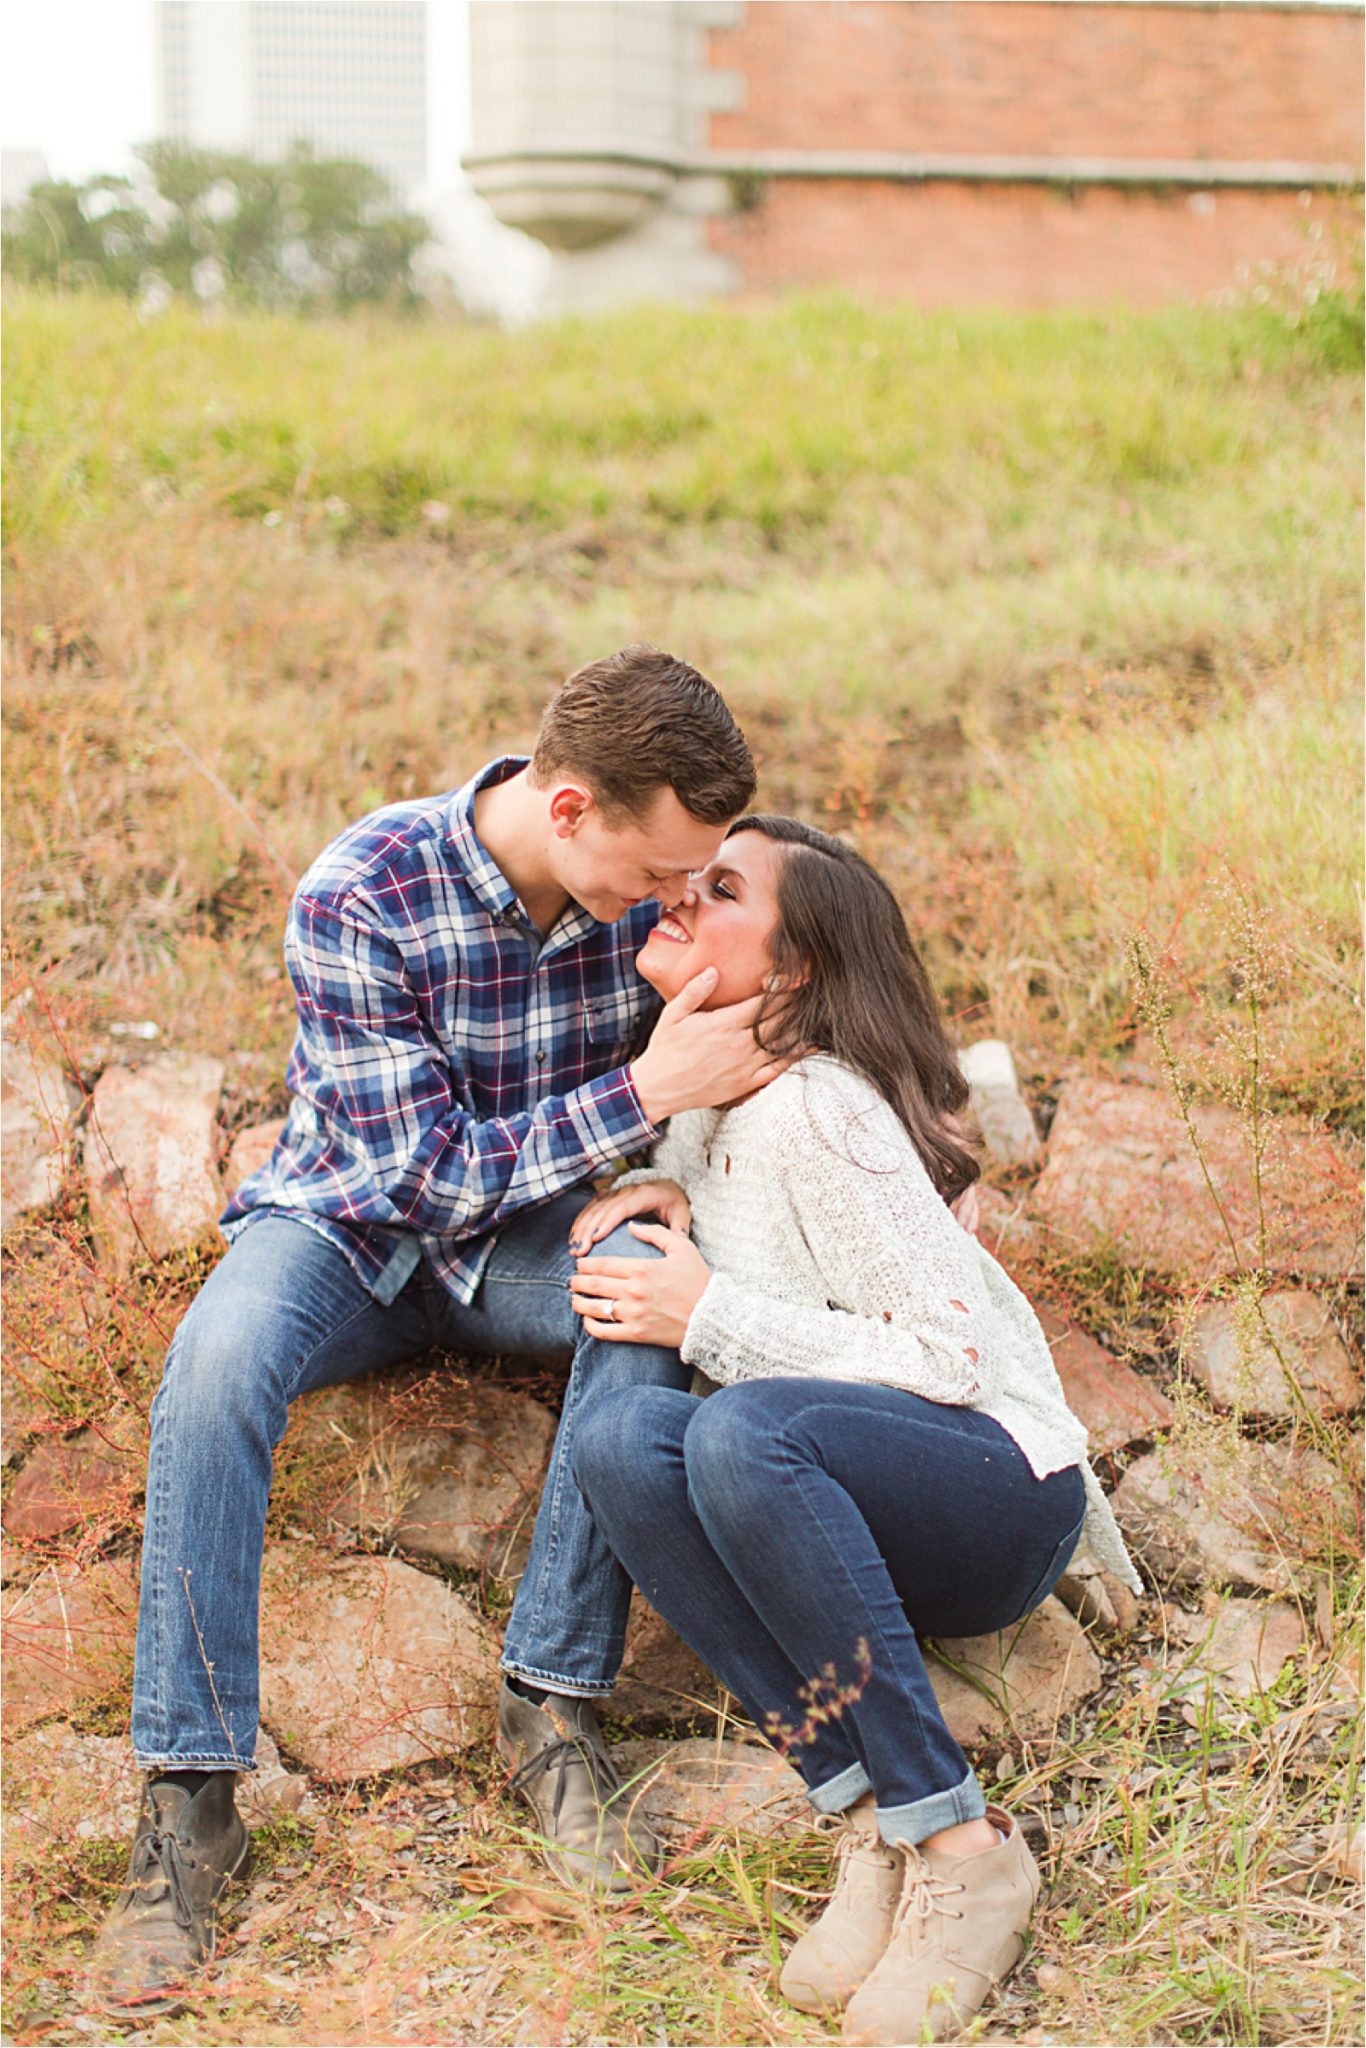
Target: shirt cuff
{"x": 608, "y": 1117}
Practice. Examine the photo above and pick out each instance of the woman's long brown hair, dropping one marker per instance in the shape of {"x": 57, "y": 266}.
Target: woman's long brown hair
{"x": 851, "y": 983}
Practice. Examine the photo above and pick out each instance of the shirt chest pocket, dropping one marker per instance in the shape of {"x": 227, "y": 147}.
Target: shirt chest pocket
{"x": 613, "y": 1022}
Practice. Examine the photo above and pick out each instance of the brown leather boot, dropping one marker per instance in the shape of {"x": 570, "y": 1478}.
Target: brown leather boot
{"x": 825, "y": 1968}
{"x": 959, "y": 1931}
{"x": 592, "y": 1831}
{"x": 186, "y": 1852}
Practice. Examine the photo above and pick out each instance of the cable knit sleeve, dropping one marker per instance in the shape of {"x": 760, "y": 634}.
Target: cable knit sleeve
{"x": 675, "y": 1154}
{"x": 906, "y": 1304}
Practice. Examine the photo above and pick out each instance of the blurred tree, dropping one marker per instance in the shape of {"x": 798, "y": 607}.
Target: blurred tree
{"x": 310, "y": 233}
{"x": 70, "y": 235}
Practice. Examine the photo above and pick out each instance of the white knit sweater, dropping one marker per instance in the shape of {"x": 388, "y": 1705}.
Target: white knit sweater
{"x": 832, "y": 1254}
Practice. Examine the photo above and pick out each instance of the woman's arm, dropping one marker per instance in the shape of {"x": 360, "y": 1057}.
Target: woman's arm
{"x": 906, "y": 1306}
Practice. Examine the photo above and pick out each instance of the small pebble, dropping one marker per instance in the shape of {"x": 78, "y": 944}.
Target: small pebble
{"x": 1056, "y": 1981}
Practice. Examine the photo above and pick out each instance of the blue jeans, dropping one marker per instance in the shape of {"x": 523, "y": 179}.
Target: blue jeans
{"x": 283, "y": 1313}
{"x": 802, "y": 1534}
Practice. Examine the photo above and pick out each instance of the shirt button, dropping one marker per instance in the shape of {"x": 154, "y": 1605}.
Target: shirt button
{"x": 540, "y": 1056}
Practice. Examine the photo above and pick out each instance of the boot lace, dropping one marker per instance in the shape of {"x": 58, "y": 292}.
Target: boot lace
{"x": 852, "y": 1844}
{"x": 923, "y": 1895}
{"x": 560, "y": 1757}
{"x": 157, "y": 1850}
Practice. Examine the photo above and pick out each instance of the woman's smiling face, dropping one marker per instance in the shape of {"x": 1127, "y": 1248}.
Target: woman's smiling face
{"x": 724, "y": 920}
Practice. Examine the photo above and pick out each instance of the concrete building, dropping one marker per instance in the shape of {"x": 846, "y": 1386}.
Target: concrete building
{"x": 1024, "y": 152}
{"x": 349, "y": 76}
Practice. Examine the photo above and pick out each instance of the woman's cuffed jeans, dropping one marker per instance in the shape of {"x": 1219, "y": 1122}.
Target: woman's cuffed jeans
{"x": 803, "y": 1536}
{"x": 282, "y": 1314}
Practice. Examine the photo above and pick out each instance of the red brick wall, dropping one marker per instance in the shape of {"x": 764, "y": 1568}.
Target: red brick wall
{"x": 1129, "y": 81}
{"x": 950, "y": 244}
{"x": 995, "y": 77}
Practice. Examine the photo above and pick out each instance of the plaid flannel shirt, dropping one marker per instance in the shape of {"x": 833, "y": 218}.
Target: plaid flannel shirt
{"x": 446, "y": 1074}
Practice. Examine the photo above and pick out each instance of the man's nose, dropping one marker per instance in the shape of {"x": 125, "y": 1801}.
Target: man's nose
{"x": 676, "y": 889}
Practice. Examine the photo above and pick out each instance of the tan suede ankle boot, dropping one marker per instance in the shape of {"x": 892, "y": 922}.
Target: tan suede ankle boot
{"x": 959, "y": 1930}
{"x": 838, "y": 1950}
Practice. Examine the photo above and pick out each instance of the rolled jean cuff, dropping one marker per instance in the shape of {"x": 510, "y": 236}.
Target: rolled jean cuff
{"x": 837, "y": 1795}
{"x": 910, "y": 1825}
{"x": 551, "y": 1681}
{"x": 193, "y": 1763}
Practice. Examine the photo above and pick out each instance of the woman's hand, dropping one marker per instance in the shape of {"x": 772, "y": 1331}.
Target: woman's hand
{"x": 642, "y": 1301}
{"x": 662, "y": 1198}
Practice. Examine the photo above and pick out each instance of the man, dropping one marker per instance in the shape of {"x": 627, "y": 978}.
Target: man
{"x": 468, "y": 1006}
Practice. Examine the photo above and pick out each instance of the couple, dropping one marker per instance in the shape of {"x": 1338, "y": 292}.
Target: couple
{"x": 501, "y": 994}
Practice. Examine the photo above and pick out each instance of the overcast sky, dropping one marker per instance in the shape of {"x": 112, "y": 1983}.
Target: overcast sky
{"x": 76, "y": 82}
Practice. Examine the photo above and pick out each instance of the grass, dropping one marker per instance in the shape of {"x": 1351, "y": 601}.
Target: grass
{"x": 1058, "y": 616}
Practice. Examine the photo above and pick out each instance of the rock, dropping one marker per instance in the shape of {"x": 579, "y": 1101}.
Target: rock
{"x": 17, "y": 1565}
{"x": 661, "y": 1678}
{"x": 68, "y": 1784}
{"x": 1117, "y": 1407}
{"x": 368, "y": 1665}
{"x": 150, "y": 1152}
{"x": 37, "y": 1106}
{"x": 71, "y": 1482}
{"x": 1241, "y": 1649}
{"x": 61, "y": 1783}
{"x": 702, "y": 1785}
{"x": 1003, "y": 1226}
{"x": 1255, "y": 1384}
{"x": 996, "y": 1105}
{"x": 57, "y": 1309}
{"x": 1234, "y": 1513}
{"x": 1344, "y": 1853}
{"x": 1024, "y": 1681}
{"x": 68, "y": 1637}
{"x": 1097, "y": 1597}
{"x": 251, "y": 1149}
{"x": 270, "y": 1788}
{"x": 20, "y": 1415}
{"x": 1122, "y": 1172}
{"x": 461, "y": 1486}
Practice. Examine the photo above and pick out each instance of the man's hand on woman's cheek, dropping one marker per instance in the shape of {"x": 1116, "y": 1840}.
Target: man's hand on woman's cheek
{"x": 642, "y": 1301}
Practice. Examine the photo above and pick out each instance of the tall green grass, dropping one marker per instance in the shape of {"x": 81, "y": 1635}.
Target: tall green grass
{"x": 999, "y": 425}
{"x": 1058, "y": 614}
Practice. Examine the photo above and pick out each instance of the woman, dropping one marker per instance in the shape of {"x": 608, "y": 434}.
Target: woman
{"x": 889, "y": 1454}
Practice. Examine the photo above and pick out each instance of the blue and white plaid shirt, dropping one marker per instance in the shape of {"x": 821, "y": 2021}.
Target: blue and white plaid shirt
{"x": 446, "y": 1074}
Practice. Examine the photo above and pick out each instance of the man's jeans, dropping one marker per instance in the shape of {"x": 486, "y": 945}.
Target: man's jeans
{"x": 801, "y": 1534}
{"x": 284, "y": 1313}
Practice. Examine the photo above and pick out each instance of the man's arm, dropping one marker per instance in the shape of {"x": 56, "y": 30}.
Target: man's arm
{"x": 385, "y": 1089}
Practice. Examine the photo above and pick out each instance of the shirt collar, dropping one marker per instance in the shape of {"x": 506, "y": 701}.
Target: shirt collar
{"x": 480, "y": 869}
{"x": 482, "y": 872}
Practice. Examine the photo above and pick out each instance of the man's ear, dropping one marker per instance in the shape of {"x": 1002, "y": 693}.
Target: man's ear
{"x": 570, "y": 804}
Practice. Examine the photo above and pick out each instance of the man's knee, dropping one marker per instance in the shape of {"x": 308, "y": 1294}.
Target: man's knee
{"x": 226, "y": 1369}
{"x": 622, "y": 1244}
{"x": 209, "y": 1368}
{"x": 598, "y": 1440}
{"x": 628, "y": 1451}
{"x": 727, "y": 1452}
{"x": 624, "y": 1427}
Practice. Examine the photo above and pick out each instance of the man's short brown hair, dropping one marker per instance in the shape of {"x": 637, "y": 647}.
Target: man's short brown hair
{"x": 639, "y": 722}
